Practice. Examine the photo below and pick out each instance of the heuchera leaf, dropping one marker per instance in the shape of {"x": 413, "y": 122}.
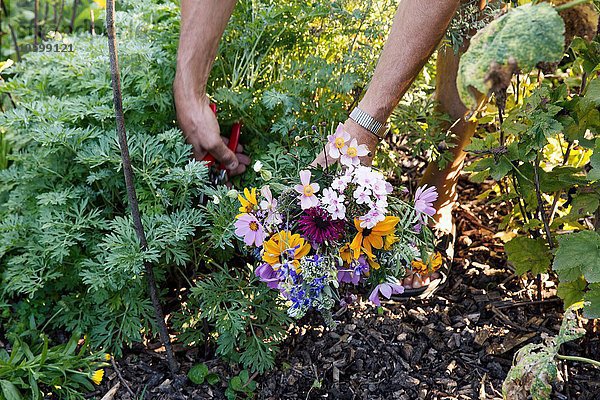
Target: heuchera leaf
{"x": 530, "y": 34}
{"x": 571, "y": 292}
{"x": 580, "y": 251}
{"x": 528, "y": 254}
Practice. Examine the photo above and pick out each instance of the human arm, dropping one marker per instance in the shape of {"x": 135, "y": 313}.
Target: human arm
{"x": 202, "y": 25}
{"x": 417, "y": 29}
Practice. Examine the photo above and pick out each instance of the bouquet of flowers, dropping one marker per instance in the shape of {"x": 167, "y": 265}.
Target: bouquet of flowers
{"x": 342, "y": 226}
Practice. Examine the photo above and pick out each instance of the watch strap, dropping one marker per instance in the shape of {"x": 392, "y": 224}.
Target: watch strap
{"x": 365, "y": 120}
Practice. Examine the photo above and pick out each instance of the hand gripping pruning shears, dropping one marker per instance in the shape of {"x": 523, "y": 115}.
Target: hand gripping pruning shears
{"x": 217, "y": 173}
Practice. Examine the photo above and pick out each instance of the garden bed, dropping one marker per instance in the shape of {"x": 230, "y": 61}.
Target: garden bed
{"x": 457, "y": 345}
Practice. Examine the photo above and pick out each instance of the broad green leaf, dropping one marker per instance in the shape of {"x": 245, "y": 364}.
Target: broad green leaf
{"x": 592, "y": 93}
{"x": 529, "y": 34}
{"x": 528, "y": 254}
{"x": 579, "y": 250}
{"x": 10, "y": 391}
{"x": 592, "y": 305}
{"x": 584, "y": 204}
{"x": 500, "y": 169}
{"x": 198, "y": 373}
{"x": 572, "y": 292}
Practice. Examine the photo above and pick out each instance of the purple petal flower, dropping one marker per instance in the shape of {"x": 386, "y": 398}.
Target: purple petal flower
{"x": 317, "y": 226}
{"x": 386, "y": 289}
{"x": 337, "y": 142}
{"x": 355, "y": 273}
{"x": 248, "y": 228}
{"x": 267, "y": 274}
{"x": 424, "y": 199}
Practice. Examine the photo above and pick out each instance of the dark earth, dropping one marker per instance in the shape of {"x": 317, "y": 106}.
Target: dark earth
{"x": 457, "y": 345}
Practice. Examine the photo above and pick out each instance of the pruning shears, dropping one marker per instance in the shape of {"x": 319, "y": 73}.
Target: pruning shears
{"x": 217, "y": 173}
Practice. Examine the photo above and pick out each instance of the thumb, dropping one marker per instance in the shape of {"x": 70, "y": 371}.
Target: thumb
{"x": 224, "y": 155}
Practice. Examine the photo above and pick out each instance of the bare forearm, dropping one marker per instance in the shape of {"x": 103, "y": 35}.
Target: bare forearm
{"x": 202, "y": 25}
{"x": 417, "y": 29}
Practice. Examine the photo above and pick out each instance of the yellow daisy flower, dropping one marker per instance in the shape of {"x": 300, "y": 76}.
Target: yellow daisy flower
{"x": 97, "y": 376}
{"x": 368, "y": 238}
{"x": 346, "y": 253}
{"x": 433, "y": 264}
{"x": 389, "y": 241}
{"x": 248, "y": 202}
{"x": 285, "y": 246}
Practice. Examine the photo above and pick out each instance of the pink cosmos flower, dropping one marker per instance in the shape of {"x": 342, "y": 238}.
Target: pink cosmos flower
{"x": 424, "y": 199}
{"x": 350, "y": 154}
{"x": 337, "y": 142}
{"x": 248, "y": 227}
{"x": 387, "y": 289}
{"x": 307, "y": 191}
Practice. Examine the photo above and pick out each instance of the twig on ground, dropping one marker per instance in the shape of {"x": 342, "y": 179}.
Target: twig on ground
{"x": 501, "y": 306}
{"x": 129, "y": 182}
{"x": 123, "y": 381}
{"x": 505, "y": 319}
{"x": 112, "y": 392}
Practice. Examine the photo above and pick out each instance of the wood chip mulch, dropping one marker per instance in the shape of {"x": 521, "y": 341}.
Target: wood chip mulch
{"x": 457, "y": 345}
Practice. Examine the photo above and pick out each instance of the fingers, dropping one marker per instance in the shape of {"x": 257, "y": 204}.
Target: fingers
{"x": 244, "y": 161}
{"x": 223, "y": 154}
{"x": 238, "y": 149}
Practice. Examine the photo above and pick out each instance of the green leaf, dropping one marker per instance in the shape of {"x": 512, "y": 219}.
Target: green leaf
{"x": 591, "y": 308}
{"x": 236, "y": 383}
{"x": 500, "y": 169}
{"x": 213, "y": 379}
{"x": 581, "y": 251}
{"x": 584, "y": 204}
{"x": 198, "y": 373}
{"x": 10, "y": 391}
{"x": 572, "y": 292}
{"x": 528, "y": 254}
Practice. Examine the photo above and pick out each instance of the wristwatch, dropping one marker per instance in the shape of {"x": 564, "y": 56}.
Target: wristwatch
{"x": 369, "y": 123}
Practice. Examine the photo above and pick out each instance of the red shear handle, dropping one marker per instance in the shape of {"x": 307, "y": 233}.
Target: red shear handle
{"x": 234, "y": 139}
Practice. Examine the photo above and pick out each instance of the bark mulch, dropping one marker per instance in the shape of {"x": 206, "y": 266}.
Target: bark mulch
{"x": 457, "y": 345}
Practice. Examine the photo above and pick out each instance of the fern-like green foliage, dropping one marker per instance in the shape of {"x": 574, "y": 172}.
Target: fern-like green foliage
{"x": 68, "y": 252}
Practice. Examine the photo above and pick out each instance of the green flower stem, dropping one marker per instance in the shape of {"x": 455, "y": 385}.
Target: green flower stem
{"x": 579, "y": 359}
{"x": 571, "y": 4}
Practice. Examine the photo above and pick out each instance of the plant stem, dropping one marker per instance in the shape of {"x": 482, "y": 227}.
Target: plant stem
{"x": 571, "y": 4}
{"x": 540, "y": 200}
{"x": 129, "y": 182}
{"x": 579, "y": 359}
{"x": 73, "y": 16}
{"x": 13, "y": 35}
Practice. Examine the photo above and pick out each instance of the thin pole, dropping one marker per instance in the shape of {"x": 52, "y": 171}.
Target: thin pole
{"x": 129, "y": 182}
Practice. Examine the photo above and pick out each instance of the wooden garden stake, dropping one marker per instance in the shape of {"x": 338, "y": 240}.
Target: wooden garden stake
{"x": 128, "y": 172}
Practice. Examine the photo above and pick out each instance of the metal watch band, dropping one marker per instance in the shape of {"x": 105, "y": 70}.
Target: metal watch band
{"x": 369, "y": 123}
